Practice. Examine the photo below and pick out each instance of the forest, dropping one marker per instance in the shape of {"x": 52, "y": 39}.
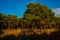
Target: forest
{"x": 36, "y": 16}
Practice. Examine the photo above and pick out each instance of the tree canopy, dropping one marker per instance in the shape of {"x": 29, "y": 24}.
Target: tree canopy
{"x": 35, "y": 16}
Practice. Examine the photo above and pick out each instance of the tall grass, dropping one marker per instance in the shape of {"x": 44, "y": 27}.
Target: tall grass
{"x": 18, "y": 31}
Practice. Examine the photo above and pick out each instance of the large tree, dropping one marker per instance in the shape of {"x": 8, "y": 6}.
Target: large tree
{"x": 39, "y": 15}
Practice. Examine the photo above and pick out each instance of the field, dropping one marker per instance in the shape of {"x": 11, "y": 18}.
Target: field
{"x": 17, "y": 32}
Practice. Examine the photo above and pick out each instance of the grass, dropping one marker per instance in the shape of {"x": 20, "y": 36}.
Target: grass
{"x": 19, "y": 31}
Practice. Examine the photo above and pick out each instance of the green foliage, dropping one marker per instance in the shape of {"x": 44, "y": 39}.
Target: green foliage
{"x": 35, "y": 16}
{"x": 39, "y": 15}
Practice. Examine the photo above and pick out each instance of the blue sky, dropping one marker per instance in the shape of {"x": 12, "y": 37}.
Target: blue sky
{"x": 17, "y": 7}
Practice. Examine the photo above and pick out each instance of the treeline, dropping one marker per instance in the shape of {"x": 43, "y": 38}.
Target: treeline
{"x": 35, "y": 16}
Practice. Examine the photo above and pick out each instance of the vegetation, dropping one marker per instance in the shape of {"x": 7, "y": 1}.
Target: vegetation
{"x": 36, "y": 16}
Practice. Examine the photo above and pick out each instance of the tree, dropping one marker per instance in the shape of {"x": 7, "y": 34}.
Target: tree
{"x": 37, "y": 11}
{"x": 2, "y": 21}
{"x": 12, "y": 21}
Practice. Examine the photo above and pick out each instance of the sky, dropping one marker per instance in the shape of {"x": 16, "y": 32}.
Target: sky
{"x": 18, "y": 7}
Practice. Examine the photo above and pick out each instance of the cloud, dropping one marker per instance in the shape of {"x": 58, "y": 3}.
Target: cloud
{"x": 57, "y": 11}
